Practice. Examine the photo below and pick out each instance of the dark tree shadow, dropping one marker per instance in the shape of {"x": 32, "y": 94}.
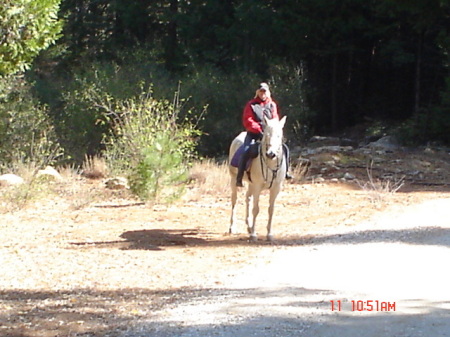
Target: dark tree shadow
{"x": 159, "y": 239}
{"x": 133, "y": 312}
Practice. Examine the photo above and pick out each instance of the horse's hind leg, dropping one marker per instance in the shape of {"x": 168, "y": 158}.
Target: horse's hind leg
{"x": 232, "y": 229}
{"x": 248, "y": 198}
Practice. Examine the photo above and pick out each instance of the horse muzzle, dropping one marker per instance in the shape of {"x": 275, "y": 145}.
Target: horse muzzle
{"x": 270, "y": 154}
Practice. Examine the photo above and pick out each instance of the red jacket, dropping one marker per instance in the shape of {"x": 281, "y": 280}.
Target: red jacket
{"x": 249, "y": 118}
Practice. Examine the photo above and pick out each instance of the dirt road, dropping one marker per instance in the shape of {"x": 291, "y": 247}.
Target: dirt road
{"x": 120, "y": 268}
{"x": 384, "y": 277}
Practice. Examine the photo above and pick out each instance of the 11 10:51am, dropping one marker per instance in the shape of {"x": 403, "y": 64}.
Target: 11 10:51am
{"x": 359, "y": 305}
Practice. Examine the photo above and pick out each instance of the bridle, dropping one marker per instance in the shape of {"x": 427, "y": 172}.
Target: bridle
{"x": 265, "y": 173}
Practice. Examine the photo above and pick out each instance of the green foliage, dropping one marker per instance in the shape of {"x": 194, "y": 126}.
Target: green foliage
{"x": 26, "y": 132}
{"x": 79, "y": 123}
{"x": 226, "y": 93}
{"x": 289, "y": 86}
{"x": 331, "y": 64}
{"x": 26, "y": 28}
{"x": 161, "y": 171}
{"x": 431, "y": 124}
{"x": 74, "y": 97}
{"x": 150, "y": 145}
{"x": 224, "y": 96}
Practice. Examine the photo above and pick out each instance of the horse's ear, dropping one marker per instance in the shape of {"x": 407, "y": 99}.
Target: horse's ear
{"x": 283, "y": 121}
{"x": 265, "y": 120}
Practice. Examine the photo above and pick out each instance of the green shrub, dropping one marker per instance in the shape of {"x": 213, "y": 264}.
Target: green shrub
{"x": 151, "y": 146}
{"x": 81, "y": 126}
{"x": 224, "y": 95}
{"x": 76, "y": 99}
{"x": 26, "y": 132}
{"x": 430, "y": 126}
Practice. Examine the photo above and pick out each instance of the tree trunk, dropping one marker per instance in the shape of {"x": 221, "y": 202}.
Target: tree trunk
{"x": 417, "y": 79}
{"x": 172, "y": 39}
{"x": 334, "y": 94}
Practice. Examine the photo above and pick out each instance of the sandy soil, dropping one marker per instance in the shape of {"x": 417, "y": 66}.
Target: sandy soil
{"x": 120, "y": 268}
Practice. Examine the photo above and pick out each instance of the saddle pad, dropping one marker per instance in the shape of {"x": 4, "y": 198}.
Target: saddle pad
{"x": 237, "y": 156}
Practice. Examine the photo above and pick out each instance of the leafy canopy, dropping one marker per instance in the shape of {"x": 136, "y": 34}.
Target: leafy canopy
{"x": 26, "y": 28}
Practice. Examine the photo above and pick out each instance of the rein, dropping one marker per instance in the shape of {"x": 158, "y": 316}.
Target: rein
{"x": 274, "y": 171}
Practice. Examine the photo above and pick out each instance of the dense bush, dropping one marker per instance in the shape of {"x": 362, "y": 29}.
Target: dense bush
{"x": 73, "y": 97}
{"x": 221, "y": 94}
{"x": 429, "y": 125}
{"x": 225, "y": 95}
{"x": 26, "y": 132}
{"x": 150, "y": 145}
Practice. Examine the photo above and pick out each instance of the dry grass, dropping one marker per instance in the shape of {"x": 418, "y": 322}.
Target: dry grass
{"x": 95, "y": 167}
{"x": 74, "y": 190}
{"x": 16, "y": 197}
{"x": 211, "y": 178}
{"x": 300, "y": 170}
{"x": 379, "y": 189}
{"x": 77, "y": 192}
{"x": 207, "y": 177}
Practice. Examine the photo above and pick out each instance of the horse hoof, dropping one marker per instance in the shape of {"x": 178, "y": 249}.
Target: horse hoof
{"x": 253, "y": 238}
{"x": 270, "y": 237}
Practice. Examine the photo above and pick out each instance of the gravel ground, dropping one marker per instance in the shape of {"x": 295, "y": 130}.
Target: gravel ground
{"x": 118, "y": 268}
{"x": 393, "y": 266}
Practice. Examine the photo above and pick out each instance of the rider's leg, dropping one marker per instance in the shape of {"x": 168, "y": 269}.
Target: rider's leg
{"x": 243, "y": 161}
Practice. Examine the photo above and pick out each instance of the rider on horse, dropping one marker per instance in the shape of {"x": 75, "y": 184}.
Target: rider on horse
{"x": 255, "y": 110}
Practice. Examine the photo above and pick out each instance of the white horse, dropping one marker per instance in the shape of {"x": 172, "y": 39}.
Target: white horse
{"x": 268, "y": 171}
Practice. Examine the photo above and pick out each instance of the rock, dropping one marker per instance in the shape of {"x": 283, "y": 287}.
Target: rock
{"x": 10, "y": 180}
{"x": 348, "y": 142}
{"x": 318, "y": 141}
{"x": 426, "y": 163}
{"x": 324, "y": 140}
{"x": 385, "y": 143}
{"x": 335, "y": 148}
{"x": 349, "y": 176}
{"x": 49, "y": 173}
{"x": 117, "y": 183}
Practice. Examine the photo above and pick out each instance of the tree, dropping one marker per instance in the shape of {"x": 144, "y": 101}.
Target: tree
{"x": 26, "y": 28}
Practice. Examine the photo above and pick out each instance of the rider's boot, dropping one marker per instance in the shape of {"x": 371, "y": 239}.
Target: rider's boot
{"x": 241, "y": 169}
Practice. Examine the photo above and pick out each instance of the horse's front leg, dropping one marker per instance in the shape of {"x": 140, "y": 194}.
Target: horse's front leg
{"x": 255, "y": 211}
{"x": 273, "y": 195}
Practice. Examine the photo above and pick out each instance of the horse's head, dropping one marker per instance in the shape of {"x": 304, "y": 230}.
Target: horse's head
{"x": 273, "y": 137}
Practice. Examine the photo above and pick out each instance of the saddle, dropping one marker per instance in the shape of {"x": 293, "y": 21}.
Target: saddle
{"x": 252, "y": 153}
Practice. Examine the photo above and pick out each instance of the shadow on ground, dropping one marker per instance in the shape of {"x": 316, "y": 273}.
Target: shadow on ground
{"x": 137, "y": 312}
{"x": 159, "y": 239}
